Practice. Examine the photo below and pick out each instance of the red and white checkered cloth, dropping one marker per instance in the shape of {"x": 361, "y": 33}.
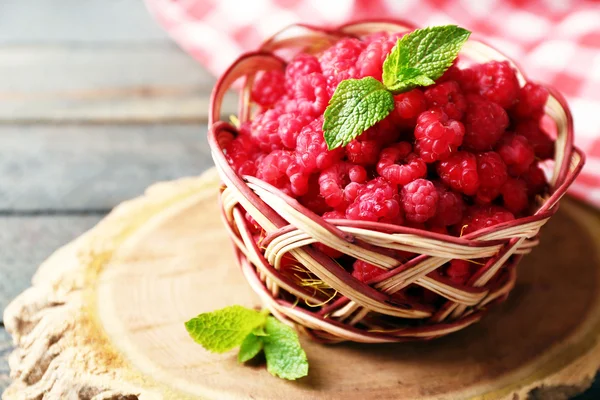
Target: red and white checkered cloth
{"x": 557, "y": 42}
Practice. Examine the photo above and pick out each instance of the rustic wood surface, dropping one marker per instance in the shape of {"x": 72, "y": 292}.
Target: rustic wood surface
{"x": 104, "y": 318}
{"x": 97, "y": 103}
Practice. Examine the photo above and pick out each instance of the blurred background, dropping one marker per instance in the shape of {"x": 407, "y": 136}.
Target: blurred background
{"x": 98, "y": 100}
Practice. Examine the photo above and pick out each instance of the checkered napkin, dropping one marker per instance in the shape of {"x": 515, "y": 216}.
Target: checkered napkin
{"x": 556, "y": 41}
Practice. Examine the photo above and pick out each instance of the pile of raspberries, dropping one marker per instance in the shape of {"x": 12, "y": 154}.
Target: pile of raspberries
{"x": 452, "y": 158}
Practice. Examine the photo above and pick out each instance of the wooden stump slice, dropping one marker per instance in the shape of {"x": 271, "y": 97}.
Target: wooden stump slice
{"x": 104, "y": 319}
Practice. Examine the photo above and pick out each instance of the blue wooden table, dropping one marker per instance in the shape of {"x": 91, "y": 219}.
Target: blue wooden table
{"x": 96, "y": 104}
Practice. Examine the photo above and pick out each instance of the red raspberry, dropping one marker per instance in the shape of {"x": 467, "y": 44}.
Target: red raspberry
{"x": 272, "y": 168}
{"x": 299, "y": 180}
{"x": 302, "y": 65}
{"x": 514, "y": 195}
{"x": 480, "y": 217}
{"x": 268, "y": 88}
{"x": 517, "y": 153}
{"x": 290, "y": 125}
{"x": 311, "y": 94}
{"x": 241, "y": 154}
{"x": 542, "y": 145}
{"x": 412, "y": 168}
{"x": 265, "y": 130}
{"x": 459, "y": 271}
{"x": 334, "y": 179}
{"x": 485, "y": 122}
{"x": 498, "y": 83}
{"x": 531, "y": 101}
{"x": 363, "y": 152}
{"x": 450, "y": 208}
{"x": 378, "y": 200}
{"x": 459, "y": 172}
{"x": 448, "y": 97}
{"x": 311, "y": 149}
{"x": 408, "y": 106}
{"x": 370, "y": 61}
{"x": 467, "y": 78}
{"x": 437, "y": 136}
{"x": 313, "y": 199}
{"x": 335, "y": 214}
{"x": 492, "y": 175}
{"x": 339, "y": 61}
{"x": 419, "y": 200}
{"x": 365, "y": 272}
{"x": 535, "y": 179}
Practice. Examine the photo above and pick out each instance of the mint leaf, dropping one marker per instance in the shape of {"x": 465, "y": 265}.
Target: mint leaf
{"x": 422, "y": 56}
{"x": 285, "y": 357}
{"x": 222, "y": 330}
{"x": 250, "y": 348}
{"x": 355, "y": 106}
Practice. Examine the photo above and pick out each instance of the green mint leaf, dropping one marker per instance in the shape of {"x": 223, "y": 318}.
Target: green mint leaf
{"x": 422, "y": 56}
{"x": 355, "y": 106}
{"x": 250, "y": 348}
{"x": 222, "y": 330}
{"x": 285, "y": 357}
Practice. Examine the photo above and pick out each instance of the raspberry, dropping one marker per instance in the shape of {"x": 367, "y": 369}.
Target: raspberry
{"x": 437, "y": 136}
{"x": 313, "y": 199}
{"x": 485, "y": 121}
{"x": 377, "y": 201}
{"x": 535, "y": 179}
{"x": 408, "y": 106}
{"x": 419, "y": 200}
{"x": 459, "y": 271}
{"x": 498, "y": 83}
{"x": 517, "y": 153}
{"x": 272, "y": 168}
{"x": 290, "y": 125}
{"x": 265, "y": 130}
{"x": 311, "y": 149}
{"x": 302, "y": 65}
{"x": 542, "y": 145}
{"x": 311, "y": 94}
{"x": 363, "y": 152}
{"x": 339, "y": 61}
{"x": 492, "y": 175}
{"x": 514, "y": 195}
{"x": 364, "y": 272}
{"x": 449, "y": 210}
{"x": 400, "y": 174}
{"x": 335, "y": 214}
{"x": 531, "y": 101}
{"x": 467, "y": 78}
{"x": 480, "y": 217}
{"x": 334, "y": 179}
{"x": 240, "y": 153}
{"x": 384, "y": 132}
{"x": 370, "y": 61}
{"x": 448, "y": 97}
{"x": 268, "y": 88}
{"x": 459, "y": 172}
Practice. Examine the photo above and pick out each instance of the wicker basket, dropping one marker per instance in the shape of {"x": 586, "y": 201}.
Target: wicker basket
{"x": 340, "y": 307}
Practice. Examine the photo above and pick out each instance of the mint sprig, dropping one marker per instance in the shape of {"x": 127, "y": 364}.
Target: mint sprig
{"x": 417, "y": 59}
{"x": 253, "y": 331}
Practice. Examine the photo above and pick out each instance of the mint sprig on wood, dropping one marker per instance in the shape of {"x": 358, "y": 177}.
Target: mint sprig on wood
{"x": 252, "y": 331}
{"x": 417, "y": 59}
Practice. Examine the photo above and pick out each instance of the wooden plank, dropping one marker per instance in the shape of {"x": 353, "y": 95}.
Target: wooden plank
{"x": 100, "y": 84}
{"x": 93, "y": 167}
{"x": 26, "y": 242}
{"x": 5, "y": 349}
{"x": 76, "y": 21}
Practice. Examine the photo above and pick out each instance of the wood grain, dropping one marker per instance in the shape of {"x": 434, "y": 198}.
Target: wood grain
{"x": 19, "y": 258}
{"x": 75, "y": 21}
{"x": 151, "y": 255}
{"x": 101, "y": 84}
{"x": 94, "y": 167}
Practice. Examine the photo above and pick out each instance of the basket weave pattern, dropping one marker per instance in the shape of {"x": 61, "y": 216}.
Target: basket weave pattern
{"x": 342, "y": 308}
